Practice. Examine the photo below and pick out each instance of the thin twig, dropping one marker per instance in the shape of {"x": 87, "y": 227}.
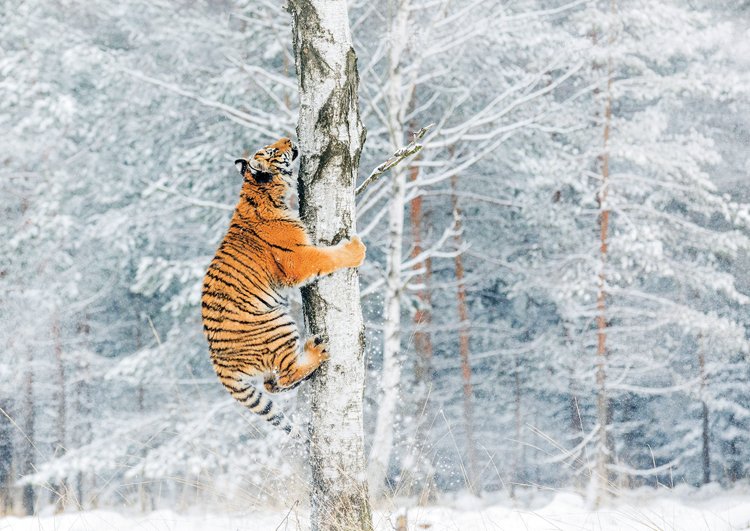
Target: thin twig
{"x": 411, "y": 149}
{"x": 286, "y": 518}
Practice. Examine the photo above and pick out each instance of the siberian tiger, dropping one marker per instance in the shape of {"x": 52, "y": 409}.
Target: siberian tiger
{"x": 245, "y": 319}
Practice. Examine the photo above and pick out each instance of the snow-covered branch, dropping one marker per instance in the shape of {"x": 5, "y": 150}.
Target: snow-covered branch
{"x": 412, "y": 148}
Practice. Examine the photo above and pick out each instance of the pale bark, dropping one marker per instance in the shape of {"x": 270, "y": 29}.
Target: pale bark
{"x": 518, "y": 457}
{"x": 59, "y": 491}
{"x": 6, "y": 457}
{"x": 382, "y": 445}
{"x": 331, "y": 137}
{"x": 705, "y": 434}
{"x": 27, "y": 460}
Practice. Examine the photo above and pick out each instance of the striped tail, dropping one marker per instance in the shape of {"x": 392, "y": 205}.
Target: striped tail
{"x": 259, "y": 403}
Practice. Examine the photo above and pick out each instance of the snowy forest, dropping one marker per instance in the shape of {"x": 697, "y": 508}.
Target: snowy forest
{"x": 556, "y": 294}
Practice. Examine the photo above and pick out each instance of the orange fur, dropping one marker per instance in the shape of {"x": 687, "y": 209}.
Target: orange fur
{"x": 246, "y": 322}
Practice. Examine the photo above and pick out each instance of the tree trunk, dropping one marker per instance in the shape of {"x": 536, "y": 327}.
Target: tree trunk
{"x": 59, "y": 492}
{"x": 518, "y": 458}
{"x": 576, "y": 428}
{"x": 6, "y": 458}
{"x": 80, "y": 432}
{"x": 601, "y": 476}
{"x": 463, "y": 348}
{"x": 331, "y": 137}
{"x": 705, "y": 454}
{"x": 423, "y": 470}
{"x": 27, "y": 459}
{"x": 145, "y": 494}
{"x": 388, "y": 401}
{"x": 576, "y": 423}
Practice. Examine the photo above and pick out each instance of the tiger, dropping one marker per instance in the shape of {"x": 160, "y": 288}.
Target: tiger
{"x": 246, "y": 319}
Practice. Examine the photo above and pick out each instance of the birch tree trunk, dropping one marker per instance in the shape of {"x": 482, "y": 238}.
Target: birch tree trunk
{"x": 331, "y": 137}
{"x": 705, "y": 433}
{"x": 6, "y": 457}
{"x": 27, "y": 460}
{"x": 59, "y": 491}
{"x": 382, "y": 444}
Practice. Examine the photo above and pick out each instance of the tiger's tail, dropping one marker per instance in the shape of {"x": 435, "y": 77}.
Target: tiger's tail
{"x": 250, "y": 396}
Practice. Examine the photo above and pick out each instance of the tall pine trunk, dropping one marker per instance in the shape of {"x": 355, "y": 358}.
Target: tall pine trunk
{"x": 604, "y": 450}
{"x": 331, "y": 137}
{"x": 472, "y": 478}
{"x": 423, "y": 472}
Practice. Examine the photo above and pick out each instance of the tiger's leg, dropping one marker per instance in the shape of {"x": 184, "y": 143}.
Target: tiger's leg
{"x": 309, "y": 261}
{"x": 293, "y": 368}
{"x": 272, "y": 386}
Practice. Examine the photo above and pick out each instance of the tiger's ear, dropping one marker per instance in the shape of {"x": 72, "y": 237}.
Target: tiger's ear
{"x": 241, "y": 166}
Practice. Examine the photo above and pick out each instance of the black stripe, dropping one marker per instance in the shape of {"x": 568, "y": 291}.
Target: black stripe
{"x": 222, "y": 329}
{"x": 222, "y": 296}
{"x": 223, "y": 318}
{"x": 292, "y": 333}
{"x": 236, "y": 298}
{"x": 254, "y": 270}
{"x": 255, "y": 404}
{"x": 234, "y": 389}
{"x": 254, "y": 233}
{"x": 240, "y": 250}
{"x": 283, "y": 359}
{"x": 251, "y": 392}
{"x": 239, "y": 287}
{"x": 273, "y": 294}
{"x": 214, "y": 307}
{"x": 249, "y": 341}
{"x": 267, "y": 330}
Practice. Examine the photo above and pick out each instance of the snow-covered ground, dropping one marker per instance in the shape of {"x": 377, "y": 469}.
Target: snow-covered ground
{"x": 645, "y": 510}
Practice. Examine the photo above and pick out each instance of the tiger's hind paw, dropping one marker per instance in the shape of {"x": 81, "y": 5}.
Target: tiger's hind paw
{"x": 272, "y": 386}
{"x": 317, "y": 348}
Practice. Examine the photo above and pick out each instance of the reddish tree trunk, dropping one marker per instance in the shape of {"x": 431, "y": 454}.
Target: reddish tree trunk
{"x": 423, "y": 349}
{"x": 464, "y": 350}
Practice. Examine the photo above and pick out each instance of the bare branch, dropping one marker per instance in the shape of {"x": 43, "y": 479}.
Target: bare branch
{"x": 233, "y": 113}
{"x": 436, "y": 249}
{"x": 411, "y": 149}
{"x": 192, "y": 200}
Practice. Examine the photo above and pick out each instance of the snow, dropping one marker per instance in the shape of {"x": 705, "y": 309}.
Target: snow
{"x": 679, "y": 510}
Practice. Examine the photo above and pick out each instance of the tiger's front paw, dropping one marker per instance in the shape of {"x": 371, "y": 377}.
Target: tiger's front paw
{"x": 355, "y": 252}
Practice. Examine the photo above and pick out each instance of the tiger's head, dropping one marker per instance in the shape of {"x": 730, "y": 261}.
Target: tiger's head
{"x": 269, "y": 164}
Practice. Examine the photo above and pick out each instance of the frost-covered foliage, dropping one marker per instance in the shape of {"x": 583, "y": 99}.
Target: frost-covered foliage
{"x": 119, "y": 122}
